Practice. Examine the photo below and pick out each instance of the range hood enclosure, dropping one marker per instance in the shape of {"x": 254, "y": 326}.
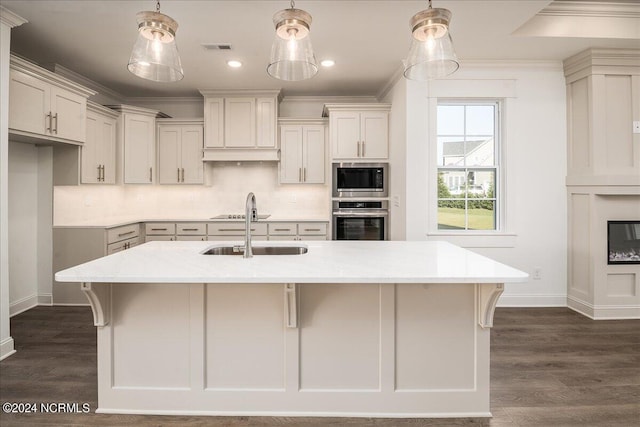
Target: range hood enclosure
{"x": 241, "y": 125}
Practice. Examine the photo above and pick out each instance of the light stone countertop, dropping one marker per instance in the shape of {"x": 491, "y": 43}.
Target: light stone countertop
{"x": 325, "y": 262}
{"x": 121, "y": 221}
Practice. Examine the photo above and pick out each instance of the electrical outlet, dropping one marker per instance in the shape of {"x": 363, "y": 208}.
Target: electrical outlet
{"x": 537, "y": 273}
{"x": 636, "y": 126}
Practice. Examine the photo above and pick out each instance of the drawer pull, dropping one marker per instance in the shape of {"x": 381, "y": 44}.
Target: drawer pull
{"x": 158, "y": 229}
{"x": 233, "y": 229}
{"x": 126, "y": 234}
{"x": 312, "y": 229}
{"x": 189, "y": 229}
{"x": 282, "y": 229}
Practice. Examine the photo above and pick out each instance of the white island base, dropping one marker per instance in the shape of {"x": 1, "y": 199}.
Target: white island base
{"x": 385, "y": 329}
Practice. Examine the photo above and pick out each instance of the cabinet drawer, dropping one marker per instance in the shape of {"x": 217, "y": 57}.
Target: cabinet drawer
{"x": 121, "y": 246}
{"x": 191, "y": 229}
{"x": 122, "y": 233}
{"x": 191, "y": 238}
{"x": 237, "y": 238}
{"x": 282, "y": 228}
{"x": 236, "y": 228}
{"x": 159, "y": 238}
{"x": 159, "y": 228}
{"x": 312, "y": 228}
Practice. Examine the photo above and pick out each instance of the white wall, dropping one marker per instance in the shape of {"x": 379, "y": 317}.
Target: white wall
{"x": 30, "y": 187}
{"x": 535, "y": 170}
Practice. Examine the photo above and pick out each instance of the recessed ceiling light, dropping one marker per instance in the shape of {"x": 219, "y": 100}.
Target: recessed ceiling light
{"x": 328, "y": 63}
{"x": 234, "y": 64}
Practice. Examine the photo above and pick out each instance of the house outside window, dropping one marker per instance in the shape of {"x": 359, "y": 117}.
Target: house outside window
{"x": 468, "y": 138}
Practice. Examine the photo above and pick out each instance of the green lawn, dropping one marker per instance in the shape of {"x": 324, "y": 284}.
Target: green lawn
{"x": 453, "y": 219}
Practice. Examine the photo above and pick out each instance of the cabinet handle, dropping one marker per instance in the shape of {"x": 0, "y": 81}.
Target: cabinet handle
{"x": 233, "y": 229}
{"x": 54, "y": 130}
{"x": 304, "y": 174}
{"x": 99, "y": 172}
{"x": 182, "y": 174}
{"x": 178, "y": 174}
{"x": 189, "y": 229}
{"x": 151, "y": 174}
{"x": 358, "y": 149}
{"x": 158, "y": 229}
{"x": 102, "y": 173}
{"x": 126, "y": 234}
{"x": 48, "y": 117}
{"x": 281, "y": 229}
{"x": 363, "y": 145}
{"x": 299, "y": 174}
{"x": 311, "y": 229}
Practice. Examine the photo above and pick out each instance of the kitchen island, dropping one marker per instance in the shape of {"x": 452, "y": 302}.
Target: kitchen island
{"x": 350, "y": 328}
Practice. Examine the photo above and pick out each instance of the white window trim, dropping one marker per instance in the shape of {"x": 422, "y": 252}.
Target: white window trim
{"x": 476, "y": 90}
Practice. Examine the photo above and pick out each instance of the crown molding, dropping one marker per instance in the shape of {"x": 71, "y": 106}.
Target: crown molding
{"x": 11, "y": 19}
{"x": 79, "y": 78}
{"x": 598, "y": 9}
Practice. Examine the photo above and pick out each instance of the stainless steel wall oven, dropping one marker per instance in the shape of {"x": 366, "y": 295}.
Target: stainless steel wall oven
{"x": 360, "y": 219}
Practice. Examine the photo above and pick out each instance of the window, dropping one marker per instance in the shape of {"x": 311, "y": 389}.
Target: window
{"x": 468, "y": 165}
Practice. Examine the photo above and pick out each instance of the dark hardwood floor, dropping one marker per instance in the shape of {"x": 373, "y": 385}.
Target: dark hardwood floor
{"x": 549, "y": 367}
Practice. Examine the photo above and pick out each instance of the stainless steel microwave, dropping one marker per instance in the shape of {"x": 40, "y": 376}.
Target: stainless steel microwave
{"x": 360, "y": 179}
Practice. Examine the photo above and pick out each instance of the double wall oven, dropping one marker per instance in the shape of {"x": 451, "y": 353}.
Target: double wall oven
{"x": 360, "y": 204}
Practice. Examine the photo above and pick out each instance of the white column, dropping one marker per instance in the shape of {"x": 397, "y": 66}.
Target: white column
{"x": 8, "y": 20}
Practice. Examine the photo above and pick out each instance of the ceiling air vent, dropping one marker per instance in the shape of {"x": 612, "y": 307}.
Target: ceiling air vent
{"x": 216, "y": 46}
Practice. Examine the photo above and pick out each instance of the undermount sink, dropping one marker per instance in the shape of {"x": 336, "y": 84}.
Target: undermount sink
{"x": 257, "y": 250}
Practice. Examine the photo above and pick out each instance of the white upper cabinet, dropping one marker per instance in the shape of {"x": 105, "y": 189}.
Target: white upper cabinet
{"x": 98, "y": 154}
{"x": 240, "y": 125}
{"x": 44, "y": 105}
{"x": 358, "y": 131}
{"x": 180, "y": 145}
{"x": 136, "y": 143}
{"x": 303, "y": 153}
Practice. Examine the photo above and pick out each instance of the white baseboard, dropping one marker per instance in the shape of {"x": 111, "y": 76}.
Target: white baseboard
{"x": 532, "y": 300}
{"x": 23, "y": 304}
{"x": 6, "y": 348}
{"x": 45, "y": 299}
{"x": 604, "y": 312}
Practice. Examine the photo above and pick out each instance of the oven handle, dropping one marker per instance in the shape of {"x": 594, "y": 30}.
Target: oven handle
{"x": 357, "y": 214}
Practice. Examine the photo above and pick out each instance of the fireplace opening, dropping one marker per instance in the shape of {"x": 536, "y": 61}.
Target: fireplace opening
{"x": 623, "y": 239}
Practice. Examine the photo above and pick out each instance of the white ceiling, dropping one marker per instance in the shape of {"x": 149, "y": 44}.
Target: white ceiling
{"x": 367, "y": 39}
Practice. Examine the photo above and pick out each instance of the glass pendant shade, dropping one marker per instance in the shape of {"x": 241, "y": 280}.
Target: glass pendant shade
{"x": 431, "y": 54}
{"x": 155, "y": 54}
{"x": 292, "y": 56}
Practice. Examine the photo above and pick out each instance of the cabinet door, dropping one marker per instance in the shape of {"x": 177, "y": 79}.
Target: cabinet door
{"x": 240, "y": 122}
{"x": 313, "y": 154}
{"x": 28, "y": 103}
{"x": 266, "y": 119}
{"x": 290, "y": 154}
{"x": 68, "y": 115}
{"x": 191, "y": 155}
{"x": 168, "y": 154}
{"x": 107, "y": 150}
{"x": 214, "y": 122}
{"x": 138, "y": 149}
{"x": 91, "y": 168}
{"x": 374, "y": 133}
{"x": 345, "y": 134}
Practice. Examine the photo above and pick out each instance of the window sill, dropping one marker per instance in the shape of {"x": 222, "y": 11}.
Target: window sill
{"x": 478, "y": 239}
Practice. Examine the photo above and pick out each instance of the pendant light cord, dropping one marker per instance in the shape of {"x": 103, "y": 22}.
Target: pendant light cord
{"x": 293, "y": 4}
{"x": 430, "y": 7}
{"x": 158, "y": 6}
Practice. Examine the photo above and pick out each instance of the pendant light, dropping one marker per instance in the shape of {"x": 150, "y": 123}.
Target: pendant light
{"x": 292, "y": 56}
{"x": 431, "y": 54}
{"x": 155, "y": 55}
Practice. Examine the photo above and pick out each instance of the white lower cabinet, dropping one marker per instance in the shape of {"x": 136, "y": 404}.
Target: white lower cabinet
{"x": 298, "y": 231}
{"x": 77, "y": 245}
{"x": 159, "y": 231}
{"x": 235, "y": 231}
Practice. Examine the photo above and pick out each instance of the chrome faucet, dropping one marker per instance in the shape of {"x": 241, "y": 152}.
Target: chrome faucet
{"x": 250, "y": 215}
